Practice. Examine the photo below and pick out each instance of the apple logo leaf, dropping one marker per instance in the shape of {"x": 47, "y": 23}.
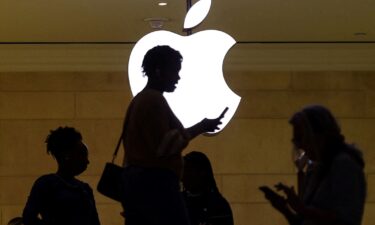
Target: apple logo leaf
{"x": 197, "y": 13}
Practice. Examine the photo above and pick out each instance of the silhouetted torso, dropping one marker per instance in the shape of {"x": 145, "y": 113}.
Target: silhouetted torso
{"x": 342, "y": 189}
{"x": 210, "y": 209}
{"x": 60, "y": 202}
{"x": 149, "y": 118}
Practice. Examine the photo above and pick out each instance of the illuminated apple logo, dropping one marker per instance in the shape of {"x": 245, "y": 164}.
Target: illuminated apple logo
{"x": 202, "y": 91}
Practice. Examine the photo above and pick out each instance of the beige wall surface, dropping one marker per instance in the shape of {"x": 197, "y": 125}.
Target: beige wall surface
{"x": 253, "y": 150}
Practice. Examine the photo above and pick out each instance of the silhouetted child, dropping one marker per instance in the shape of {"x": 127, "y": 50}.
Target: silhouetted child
{"x": 59, "y": 198}
{"x": 205, "y": 204}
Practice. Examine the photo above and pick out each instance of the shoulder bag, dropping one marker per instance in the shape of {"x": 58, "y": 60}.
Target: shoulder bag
{"x": 110, "y": 181}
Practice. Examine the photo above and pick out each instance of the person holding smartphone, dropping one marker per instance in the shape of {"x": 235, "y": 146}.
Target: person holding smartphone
{"x": 154, "y": 139}
{"x": 334, "y": 186}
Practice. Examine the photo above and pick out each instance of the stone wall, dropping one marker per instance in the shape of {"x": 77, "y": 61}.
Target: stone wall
{"x": 253, "y": 150}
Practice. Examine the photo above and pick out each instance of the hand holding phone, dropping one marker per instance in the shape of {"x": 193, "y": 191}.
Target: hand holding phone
{"x": 276, "y": 200}
{"x": 210, "y": 125}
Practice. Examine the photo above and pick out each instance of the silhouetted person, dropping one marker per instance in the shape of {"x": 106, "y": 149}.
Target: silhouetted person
{"x": 153, "y": 141}
{"x": 335, "y": 188}
{"x": 59, "y": 198}
{"x": 205, "y": 204}
{"x": 15, "y": 221}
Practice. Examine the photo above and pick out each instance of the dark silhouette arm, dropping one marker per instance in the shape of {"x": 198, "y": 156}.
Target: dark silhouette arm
{"x": 280, "y": 204}
{"x": 175, "y": 141}
{"x": 309, "y": 213}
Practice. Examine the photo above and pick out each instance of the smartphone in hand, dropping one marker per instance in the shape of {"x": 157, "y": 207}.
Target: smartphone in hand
{"x": 223, "y": 113}
{"x": 268, "y": 192}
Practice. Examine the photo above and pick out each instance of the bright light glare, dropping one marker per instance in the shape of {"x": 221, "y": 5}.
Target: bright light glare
{"x": 202, "y": 91}
{"x": 162, "y": 3}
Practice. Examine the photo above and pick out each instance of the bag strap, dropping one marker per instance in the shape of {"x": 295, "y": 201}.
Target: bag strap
{"x": 117, "y": 147}
{"x": 122, "y": 133}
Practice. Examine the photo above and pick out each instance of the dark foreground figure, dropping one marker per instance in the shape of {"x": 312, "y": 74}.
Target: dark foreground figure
{"x": 333, "y": 187}
{"x": 153, "y": 141}
{"x": 205, "y": 204}
{"x": 59, "y": 198}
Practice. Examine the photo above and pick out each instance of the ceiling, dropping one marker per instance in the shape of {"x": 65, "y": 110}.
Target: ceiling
{"x": 270, "y": 34}
{"x": 246, "y": 20}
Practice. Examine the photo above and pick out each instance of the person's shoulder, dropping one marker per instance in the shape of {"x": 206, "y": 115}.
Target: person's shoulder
{"x": 149, "y": 99}
{"x": 149, "y": 95}
{"x": 343, "y": 156}
{"x": 46, "y": 181}
{"x": 47, "y": 178}
{"x": 345, "y": 161}
{"x": 349, "y": 155}
{"x": 219, "y": 202}
{"x": 84, "y": 185}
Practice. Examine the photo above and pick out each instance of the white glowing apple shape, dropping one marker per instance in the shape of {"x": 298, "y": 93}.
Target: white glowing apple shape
{"x": 202, "y": 91}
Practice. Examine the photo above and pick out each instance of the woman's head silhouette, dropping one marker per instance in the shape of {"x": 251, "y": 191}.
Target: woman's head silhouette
{"x": 161, "y": 65}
